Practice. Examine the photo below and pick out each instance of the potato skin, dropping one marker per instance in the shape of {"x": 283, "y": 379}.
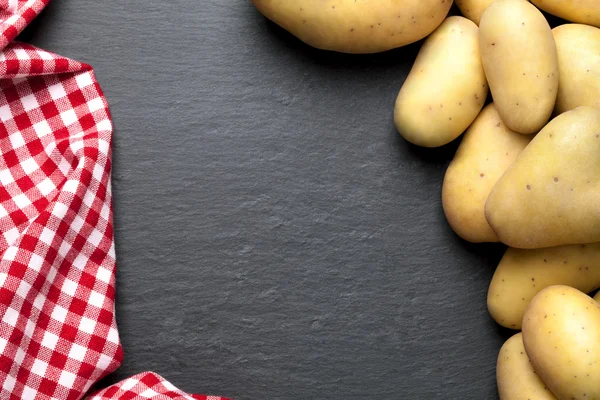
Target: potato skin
{"x": 579, "y": 66}
{"x": 561, "y": 334}
{"x": 522, "y": 274}
{"x": 520, "y": 61}
{"x": 446, "y": 87}
{"x": 473, "y": 9}
{"x": 356, "y": 26}
{"x": 549, "y": 196}
{"x": 516, "y": 377}
{"x": 487, "y": 150}
{"x": 581, "y": 11}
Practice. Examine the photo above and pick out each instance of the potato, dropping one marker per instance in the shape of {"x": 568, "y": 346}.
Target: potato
{"x": 520, "y": 61}
{"x": 516, "y": 377}
{"x": 487, "y": 149}
{"x": 550, "y": 195}
{"x": 582, "y": 11}
{"x": 578, "y": 65}
{"x": 561, "y": 334}
{"x": 473, "y": 9}
{"x": 522, "y": 274}
{"x": 446, "y": 87}
{"x": 356, "y": 26}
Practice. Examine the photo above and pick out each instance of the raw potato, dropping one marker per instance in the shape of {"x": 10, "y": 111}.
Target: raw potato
{"x": 516, "y": 377}
{"x": 561, "y": 334}
{"x": 473, "y": 9}
{"x": 520, "y": 61}
{"x": 487, "y": 149}
{"x": 446, "y": 87}
{"x": 550, "y": 195}
{"x": 581, "y": 11}
{"x": 522, "y": 274}
{"x": 356, "y": 26}
{"x": 579, "y": 66}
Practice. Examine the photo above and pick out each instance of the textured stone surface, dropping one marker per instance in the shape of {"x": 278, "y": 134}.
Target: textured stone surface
{"x": 276, "y": 238}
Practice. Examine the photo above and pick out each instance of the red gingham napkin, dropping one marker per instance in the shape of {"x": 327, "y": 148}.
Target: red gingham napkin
{"x": 58, "y": 334}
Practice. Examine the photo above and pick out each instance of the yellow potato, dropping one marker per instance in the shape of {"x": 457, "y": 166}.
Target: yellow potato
{"x": 356, "y": 26}
{"x": 487, "y": 149}
{"x": 522, "y": 274}
{"x": 561, "y": 334}
{"x": 550, "y": 195}
{"x": 520, "y": 61}
{"x": 582, "y": 11}
{"x": 516, "y": 377}
{"x": 473, "y": 9}
{"x": 579, "y": 66}
{"x": 446, "y": 87}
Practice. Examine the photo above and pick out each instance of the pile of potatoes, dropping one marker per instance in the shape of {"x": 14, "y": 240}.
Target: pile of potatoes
{"x": 527, "y": 171}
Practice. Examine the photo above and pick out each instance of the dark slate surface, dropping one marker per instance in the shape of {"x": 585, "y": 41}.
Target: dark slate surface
{"x": 276, "y": 239}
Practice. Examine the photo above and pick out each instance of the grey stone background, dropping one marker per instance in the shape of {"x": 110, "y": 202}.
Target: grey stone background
{"x": 276, "y": 239}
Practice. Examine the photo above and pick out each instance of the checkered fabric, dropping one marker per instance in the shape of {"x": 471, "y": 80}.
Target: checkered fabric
{"x": 146, "y": 386}
{"x": 58, "y": 334}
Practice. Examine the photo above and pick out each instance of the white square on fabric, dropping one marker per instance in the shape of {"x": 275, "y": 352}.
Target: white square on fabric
{"x": 104, "y": 125}
{"x": 46, "y": 187}
{"x": 10, "y": 317}
{"x": 95, "y": 104}
{"x": 21, "y": 201}
{"x": 128, "y": 384}
{"x": 77, "y": 352}
{"x": 148, "y": 394}
{"x": 113, "y": 336}
{"x": 39, "y": 301}
{"x": 57, "y": 91}
{"x": 29, "y": 393}
{"x": 36, "y": 262}
{"x": 95, "y": 237}
{"x": 23, "y": 289}
{"x": 6, "y": 177}
{"x": 20, "y": 53}
{"x": 59, "y": 314}
{"x": 30, "y": 102}
{"x": 19, "y": 356}
{"x": 42, "y": 128}
{"x": 47, "y": 236}
{"x": 29, "y": 166}
{"x": 84, "y": 80}
{"x": 49, "y": 340}
{"x": 9, "y": 383}
{"x": 69, "y": 287}
{"x": 96, "y": 299}
{"x": 3, "y": 212}
{"x": 16, "y": 140}
{"x": 69, "y": 117}
{"x": 87, "y": 325}
{"x": 66, "y": 379}
{"x": 80, "y": 261}
{"x": 3, "y": 343}
{"x": 104, "y": 362}
{"x": 39, "y": 367}
{"x": 11, "y": 253}
{"x": 70, "y": 186}
{"x": 103, "y": 274}
{"x": 29, "y": 328}
{"x": 60, "y": 210}
{"x": 11, "y": 235}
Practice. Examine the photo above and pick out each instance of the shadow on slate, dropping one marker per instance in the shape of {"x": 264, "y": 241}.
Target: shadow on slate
{"x": 276, "y": 238}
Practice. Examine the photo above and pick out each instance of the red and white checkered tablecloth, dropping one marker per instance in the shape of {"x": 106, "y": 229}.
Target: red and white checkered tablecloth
{"x": 58, "y": 334}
